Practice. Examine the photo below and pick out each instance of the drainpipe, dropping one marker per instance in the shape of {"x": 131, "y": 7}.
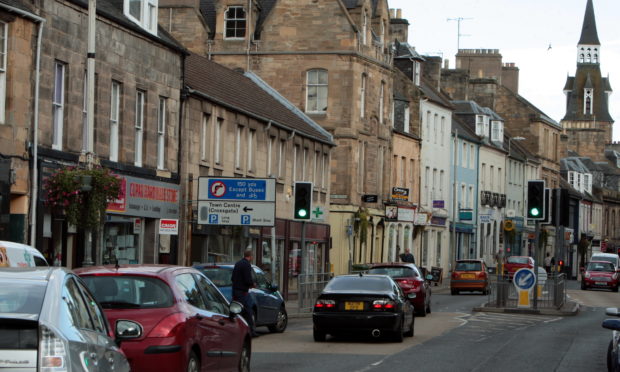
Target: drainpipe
{"x": 35, "y": 125}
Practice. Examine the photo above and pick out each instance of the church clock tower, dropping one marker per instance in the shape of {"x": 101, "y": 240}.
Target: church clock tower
{"x": 587, "y": 122}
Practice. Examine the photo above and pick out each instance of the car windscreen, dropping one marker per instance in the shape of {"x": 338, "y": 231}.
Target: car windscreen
{"x": 358, "y": 283}
{"x": 468, "y": 266}
{"x": 21, "y": 298}
{"x": 220, "y": 276}
{"x": 601, "y": 266}
{"x": 518, "y": 260}
{"x": 612, "y": 260}
{"x": 394, "y": 271}
{"x": 129, "y": 292}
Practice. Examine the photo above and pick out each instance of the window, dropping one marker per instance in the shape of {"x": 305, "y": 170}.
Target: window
{"x": 438, "y": 255}
{"x": 427, "y": 175}
{"x": 491, "y": 179}
{"x": 325, "y": 172}
{"x": 115, "y": 96}
{"x": 58, "y": 104}
{"x": 281, "y": 158}
{"x": 381, "y": 99}
{"x": 85, "y": 114}
{"x": 572, "y": 178}
{"x": 78, "y": 311}
{"x": 4, "y": 30}
{"x": 441, "y": 181}
{"x": 364, "y": 27}
{"x": 496, "y": 131}
{"x": 161, "y": 134}
{"x": 251, "y": 146}
{"x": 270, "y": 153}
{"x": 217, "y": 140}
{"x": 360, "y": 166}
{"x": 472, "y": 158}
{"x": 304, "y": 162}
{"x": 213, "y": 298}
{"x": 363, "y": 95}
{"x": 463, "y": 155}
{"x": 142, "y": 12}
{"x": 587, "y": 104}
{"x": 403, "y": 171}
{"x": 238, "y": 147}
{"x": 204, "y": 138}
{"x": 315, "y": 174}
{"x": 407, "y": 119}
{"x": 296, "y": 160}
{"x": 428, "y": 126}
{"x": 435, "y": 125}
{"x": 191, "y": 293}
{"x": 235, "y": 23}
{"x": 480, "y": 125}
{"x": 416, "y": 69}
{"x": 96, "y": 314}
{"x": 471, "y": 197}
{"x": 316, "y": 100}
{"x": 139, "y": 127}
{"x": 443, "y": 130}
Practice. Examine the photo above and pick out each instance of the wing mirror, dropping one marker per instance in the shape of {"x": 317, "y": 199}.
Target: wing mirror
{"x": 274, "y": 287}
{"x": 127, "y": 329}
{"x": 235, "y": 309}
{"x": 411, "y": 295}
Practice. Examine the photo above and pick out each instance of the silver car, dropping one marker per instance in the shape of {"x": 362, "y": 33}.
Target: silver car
{"x": 50, "y": 320}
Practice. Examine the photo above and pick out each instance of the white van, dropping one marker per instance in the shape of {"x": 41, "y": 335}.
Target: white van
{"x": 20, "y": 255}
{"x": 609, "y": 257}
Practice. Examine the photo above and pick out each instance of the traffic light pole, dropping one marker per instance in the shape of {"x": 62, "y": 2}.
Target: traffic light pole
{"x": 534, "y": 252}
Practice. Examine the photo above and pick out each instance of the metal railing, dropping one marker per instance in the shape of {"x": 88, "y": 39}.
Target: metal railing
{"x": 550, "y": 295}
{"x": 309, "y": 286}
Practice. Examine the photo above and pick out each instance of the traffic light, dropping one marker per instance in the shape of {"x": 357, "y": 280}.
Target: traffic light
{"x": 303, "y": 200}
{"x": 536, "y": 200}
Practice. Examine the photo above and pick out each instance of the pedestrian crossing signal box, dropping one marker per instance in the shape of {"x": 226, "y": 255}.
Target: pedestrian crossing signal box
{"x": 303, "y": 200}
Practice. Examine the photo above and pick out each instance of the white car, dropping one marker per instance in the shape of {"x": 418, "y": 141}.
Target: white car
{"x": 609, "y": 257}
{"x": 20, "y": 255}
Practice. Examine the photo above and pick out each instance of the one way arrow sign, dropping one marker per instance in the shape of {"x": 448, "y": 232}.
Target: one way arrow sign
{"x": 246, "y": 209}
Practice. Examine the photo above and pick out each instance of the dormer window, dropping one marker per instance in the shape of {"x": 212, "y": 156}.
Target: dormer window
{"x": 235, "y": 22}
{"x": 482, "y": 125}
{"x": 497, "y": 131}
{"x": 587, "y": 102}
{"x": 143, "y": 13}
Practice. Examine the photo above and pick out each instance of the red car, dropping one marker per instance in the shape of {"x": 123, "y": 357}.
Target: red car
{"x": 514, "y": 263}
{"x": 410, "y": 280}
{"x": 600, "y": 274}
{"x": 173, "y": 318}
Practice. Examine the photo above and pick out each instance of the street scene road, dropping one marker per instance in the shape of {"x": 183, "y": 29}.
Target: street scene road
{"x": 453, "y": 337}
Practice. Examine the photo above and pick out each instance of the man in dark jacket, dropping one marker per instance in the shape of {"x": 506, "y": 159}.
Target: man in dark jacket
{"x": 241, "y": 283}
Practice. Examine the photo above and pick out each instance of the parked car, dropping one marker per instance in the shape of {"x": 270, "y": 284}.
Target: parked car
{"x": 609, "y": 257}
{"x": 49, "y": 321}
{"x": 20, "y": 255}
{"x": 469, "y": 275}
{"x": 600, "y": 274}
{"x": 613, "y": 350}
{"x": 514, "y": 263}
{"x": 269, "y": 308}
{"x": 371, "y": 304}
{"x": 410, "y": 280}
{"x": 173, "y": 318}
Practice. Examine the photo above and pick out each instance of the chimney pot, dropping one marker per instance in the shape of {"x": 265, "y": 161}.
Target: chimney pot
{"x": 399, "y": 13}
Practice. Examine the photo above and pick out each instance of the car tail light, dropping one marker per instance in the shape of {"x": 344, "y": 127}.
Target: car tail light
{"x": 383, "y": 305}
{"x": 482, "y": 274}
{"x": 325, "y": 304}
{"x": 168, "y": 326}
{"x": 455, "y": 275}
{"x": 408, "y": 284}
{"x": 52, "y": 351}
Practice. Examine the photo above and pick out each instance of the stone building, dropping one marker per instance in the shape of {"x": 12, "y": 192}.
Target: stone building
{"x": 340, "y": 76}
{"x": 137, "y": 94}
{"x": 236, "y": 125}
{"x": 20, "y": 28}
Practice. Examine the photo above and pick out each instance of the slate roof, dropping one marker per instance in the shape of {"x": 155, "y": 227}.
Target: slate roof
{"x": 541, "y": 115}
{"x": 434, "y": 95}
{"x": 248, "y": 94}
{"x": 464, "y": 130}
{"x": 468, "y": 108}
{"x": 404, "y": 50}
{"x": 18, "y": 4}
{"x": 113, "y": 10}
{"x": 588, "y": 76}
{"x": 589, "y": 36}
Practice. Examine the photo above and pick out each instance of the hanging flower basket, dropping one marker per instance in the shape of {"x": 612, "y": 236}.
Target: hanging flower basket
{"x": 82, "y": 195}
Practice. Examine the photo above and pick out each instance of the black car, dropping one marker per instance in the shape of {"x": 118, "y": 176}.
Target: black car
{"x": 371, "y": 304}
{"x": 613, "y": 350}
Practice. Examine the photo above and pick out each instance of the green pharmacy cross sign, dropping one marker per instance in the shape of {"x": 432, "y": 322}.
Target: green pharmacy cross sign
{"x": 317, "y": 212}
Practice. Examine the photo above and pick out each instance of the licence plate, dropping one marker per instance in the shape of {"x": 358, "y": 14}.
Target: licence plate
{"x": 468, "y": 276}
{"x": 600, "y": 283}
{"x": 353, "y": 305}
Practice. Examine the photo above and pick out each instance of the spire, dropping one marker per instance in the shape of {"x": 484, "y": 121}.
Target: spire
{"x": 588, "y": 84}
{"x": 589, "y": 36}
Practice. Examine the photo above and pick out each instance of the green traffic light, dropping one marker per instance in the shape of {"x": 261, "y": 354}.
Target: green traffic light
{"x": 535, "y": 212}
{"x": 302, "y": 213}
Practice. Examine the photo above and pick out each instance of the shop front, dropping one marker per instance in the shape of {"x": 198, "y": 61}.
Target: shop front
{"x": 133, "y": 232}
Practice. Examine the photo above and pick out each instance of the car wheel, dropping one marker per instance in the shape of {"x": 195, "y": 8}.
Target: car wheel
{"x": 454, "y": 292}
{"x": 422, "y": 311}
{"x": 193, "y": 363}
{"x": 244, "y": 359}
{"x": 319, "y": 336}
{"x": 583, "y": 286}
{"x": 410, "y": 331}
{"x": 615, "y": 289}
{"x": 398, "y": 334}
{"x": 610, "y": 349}
{"x": 281, "y": 322}
{"x": 428, "y": 308}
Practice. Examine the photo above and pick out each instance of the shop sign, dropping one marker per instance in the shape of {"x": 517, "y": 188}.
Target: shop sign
{"x": 168, "y": 227}
{"x": 484, "y": 218}
{"x": 406, "y": 214}
{"x": 146, "y": 198}
{"x": 370, "y": 198}
{"x": 439, "y": 204}
{"x": 466, "y": 214}
{"x": 391, "y": 212}
{"x": 137, "y": 225}
{"x": 421, "y": 219}
{"x": 438, "y": 221}
{"x": 400, "y": 193}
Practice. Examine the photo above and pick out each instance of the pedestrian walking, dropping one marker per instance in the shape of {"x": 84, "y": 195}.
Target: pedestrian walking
{"x": 407, "y": 256}
{"x": 548, "y": 263}
{"x": 242, "y": 281}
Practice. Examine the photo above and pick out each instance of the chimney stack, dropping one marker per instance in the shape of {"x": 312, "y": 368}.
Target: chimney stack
{"x": 399, "y": 27}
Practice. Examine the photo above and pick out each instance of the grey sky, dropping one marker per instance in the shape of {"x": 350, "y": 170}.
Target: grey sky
{"x": 522, "y": 31}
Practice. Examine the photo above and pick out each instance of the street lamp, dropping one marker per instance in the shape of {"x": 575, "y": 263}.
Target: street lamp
{"x": 518, "y": 138}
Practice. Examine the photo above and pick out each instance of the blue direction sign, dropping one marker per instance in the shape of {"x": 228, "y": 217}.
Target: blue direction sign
{"x": 238, "y": 189}
{"x": 524, "y": 279}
